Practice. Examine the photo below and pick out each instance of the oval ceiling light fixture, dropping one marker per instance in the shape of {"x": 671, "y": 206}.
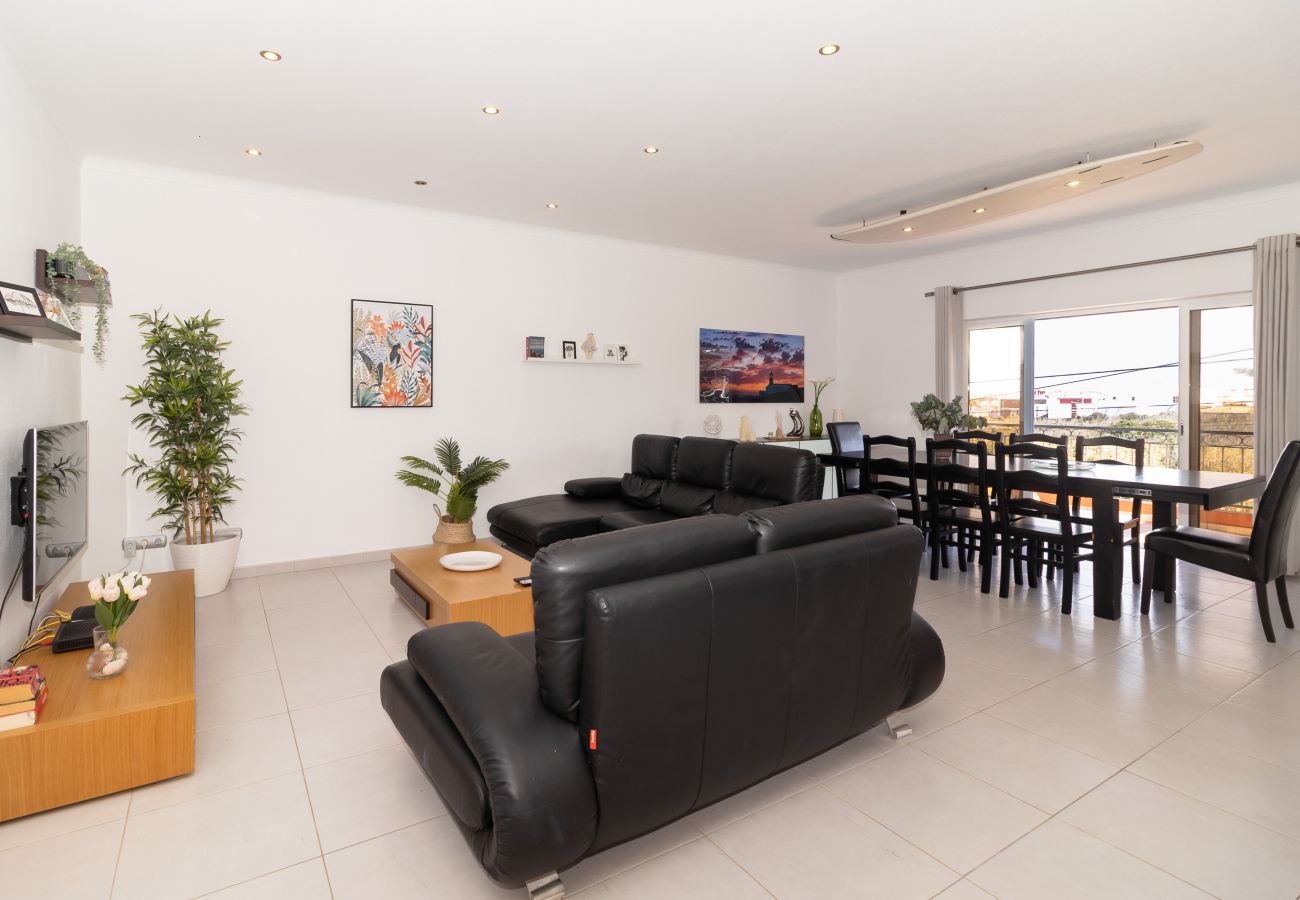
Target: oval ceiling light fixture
{"x": 552, "y": 206}
{"x": 1020, "y": 196}
{"x": 828, "y": 49}
{"x": 252, "y": 151}
{"x": 491, "y": 110}
{"x": 652, "y": 150}
{"x": 421, "y": 182}
{"x": 271, "y": 55}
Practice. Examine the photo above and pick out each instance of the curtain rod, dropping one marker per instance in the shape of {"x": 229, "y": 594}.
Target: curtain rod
{"x": 1132, "y": 265}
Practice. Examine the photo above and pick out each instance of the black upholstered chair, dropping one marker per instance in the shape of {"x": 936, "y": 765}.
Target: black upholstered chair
{"x": 959, "y": 511}
{"x": 1260, "y": 558}
{"x": 893, "y": 478}
{"x": 846, "y": 437}
{"x": 1057, "y": 541}
{"x": 1133, "y": 523}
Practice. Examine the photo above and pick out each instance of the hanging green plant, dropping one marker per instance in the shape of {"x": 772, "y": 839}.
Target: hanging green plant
{"x": 71, "y": 257}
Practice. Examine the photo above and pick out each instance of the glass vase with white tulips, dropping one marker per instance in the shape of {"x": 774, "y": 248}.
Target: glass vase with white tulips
{"x": 116, "y": 596}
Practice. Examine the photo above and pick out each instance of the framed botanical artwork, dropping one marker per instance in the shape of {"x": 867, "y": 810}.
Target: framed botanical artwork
{"x": 392, "y": 354}
{"x": 16, "y": 300}
{"x": 750, "y": 367}
{"x": 55, "y": 310}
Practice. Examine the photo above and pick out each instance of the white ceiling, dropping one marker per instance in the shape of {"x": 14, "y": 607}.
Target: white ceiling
{"x": 767, "y": 147}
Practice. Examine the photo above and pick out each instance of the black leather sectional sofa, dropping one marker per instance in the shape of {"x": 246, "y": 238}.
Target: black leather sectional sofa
{"x": 671, "y": 478}
{"x": 672, "y": 666}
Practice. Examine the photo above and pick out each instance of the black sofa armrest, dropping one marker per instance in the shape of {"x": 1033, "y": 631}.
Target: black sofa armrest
{"x": 928, "y": 662}
{"x": 540, "y": 789}
{"x": 594, "y": 487}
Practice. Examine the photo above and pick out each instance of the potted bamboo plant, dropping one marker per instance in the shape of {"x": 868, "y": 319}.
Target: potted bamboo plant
{"x": 457, "y": 486}
{"x": 188, "y": 401}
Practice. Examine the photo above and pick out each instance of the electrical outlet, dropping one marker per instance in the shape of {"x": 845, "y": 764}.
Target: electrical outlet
{"x": 143, "y": 542}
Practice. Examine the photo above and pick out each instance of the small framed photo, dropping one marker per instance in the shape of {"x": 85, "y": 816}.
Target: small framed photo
{"x": 535, "y": 347}
{"x": 570, "y": 349}
{"x": 622, "y": 352}
{"x": 609, "y": 353}
{"x": 55, "y": 311}
{"x": 16, "y": 300}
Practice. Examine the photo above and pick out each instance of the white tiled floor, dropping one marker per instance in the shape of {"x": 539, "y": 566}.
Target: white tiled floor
{"x": 1063, "y": 757}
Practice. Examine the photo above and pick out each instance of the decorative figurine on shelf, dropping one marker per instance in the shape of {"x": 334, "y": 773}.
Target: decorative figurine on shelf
{"x": 778, "y": 434}
{"x": 746, "y": 433}
{"x": 589, "y": 346}
{"x": 796, "y": 424}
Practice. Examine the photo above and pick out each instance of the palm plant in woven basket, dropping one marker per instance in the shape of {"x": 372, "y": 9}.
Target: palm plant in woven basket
{"x": 454, "y": 484}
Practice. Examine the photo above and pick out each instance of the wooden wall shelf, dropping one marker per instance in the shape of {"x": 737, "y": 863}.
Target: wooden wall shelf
{"x": 86, "y": 293}
{"x": 25, "y": 329}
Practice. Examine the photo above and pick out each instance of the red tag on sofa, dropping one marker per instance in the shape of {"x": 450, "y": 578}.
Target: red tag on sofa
{"x": 591, "y": 740}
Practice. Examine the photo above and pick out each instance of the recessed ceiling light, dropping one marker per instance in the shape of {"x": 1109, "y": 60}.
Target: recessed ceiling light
{"x": 252, "y": 151}
{"x": 491, "y": 110}
{"x": 828, "y": 49}
{"x": 1074, "y": 183}
{"x": 651, "y": 150}
{"x": 270, "y": 56}
{"x": 421, "y": 183}
{"x": 552, "y": 205}
{"x": 907, "y": 228}
{"x": 979, "y": 210}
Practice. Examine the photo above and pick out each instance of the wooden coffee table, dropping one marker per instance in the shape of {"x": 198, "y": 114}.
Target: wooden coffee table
{"x": 440, "y": 595}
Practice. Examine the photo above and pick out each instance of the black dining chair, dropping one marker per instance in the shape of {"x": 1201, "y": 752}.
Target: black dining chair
{"x": 1036, "y": 437}
{"x": 959, "y": 511}
{"x": 993, "y": 437}
{"x": 1133, "y": 523}
{"x": 1058, "y": 541}
{"x": 846, "y": 437}
{"x": 1260, "y": 558}
{"x": 893, "y": 478}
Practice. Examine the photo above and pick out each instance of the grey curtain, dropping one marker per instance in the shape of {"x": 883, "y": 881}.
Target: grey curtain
{"x": 949, "y": 343}
{"x": 1277, "y": 357}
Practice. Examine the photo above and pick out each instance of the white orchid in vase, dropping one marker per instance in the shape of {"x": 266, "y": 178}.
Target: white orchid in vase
{"x": 116, "y": 596}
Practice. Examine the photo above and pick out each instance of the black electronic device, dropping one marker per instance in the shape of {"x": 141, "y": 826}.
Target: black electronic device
{"x": 74, "y": 634}
{"x": 524, "y": 580}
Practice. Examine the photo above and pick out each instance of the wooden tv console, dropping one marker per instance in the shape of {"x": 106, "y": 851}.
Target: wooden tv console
{"x": 100, "y": 737}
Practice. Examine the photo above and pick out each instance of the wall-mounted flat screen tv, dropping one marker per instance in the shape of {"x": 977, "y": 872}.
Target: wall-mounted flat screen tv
{"x": 55, "y": 461}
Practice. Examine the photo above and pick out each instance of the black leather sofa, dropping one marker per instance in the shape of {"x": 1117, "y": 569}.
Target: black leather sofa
{"x": 671, "y": 666}
{"x": 671, "y": 478}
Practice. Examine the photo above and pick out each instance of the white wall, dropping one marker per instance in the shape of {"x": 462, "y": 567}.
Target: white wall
{"x": 886, "y": 324}
{"x": 42, "y": 386}
{"x": 281, "y": 266}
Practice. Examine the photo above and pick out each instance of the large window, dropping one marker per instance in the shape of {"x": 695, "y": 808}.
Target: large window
{"x": 1180, "y": 376}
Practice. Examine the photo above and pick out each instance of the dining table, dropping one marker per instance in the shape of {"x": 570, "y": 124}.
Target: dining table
{"x": 1104, "y": 483}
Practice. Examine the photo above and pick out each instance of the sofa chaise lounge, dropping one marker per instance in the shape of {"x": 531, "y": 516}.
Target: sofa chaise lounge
{"x": 672, "y": 666}
{"x": 671, "y": 478}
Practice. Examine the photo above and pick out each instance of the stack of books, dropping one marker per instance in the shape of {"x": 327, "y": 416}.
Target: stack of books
{"x": 22, "y": 696}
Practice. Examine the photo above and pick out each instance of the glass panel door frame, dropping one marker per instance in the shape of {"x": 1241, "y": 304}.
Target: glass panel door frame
{"x": 1187, "y": 372}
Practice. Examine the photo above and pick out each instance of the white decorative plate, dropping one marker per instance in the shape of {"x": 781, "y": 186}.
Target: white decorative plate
{"x": 713, "y": 423}
{"x": 470, "y": 561}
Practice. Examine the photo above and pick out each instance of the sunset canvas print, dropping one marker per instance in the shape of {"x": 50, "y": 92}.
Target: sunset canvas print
{"x": 392, "y": 354}
{"x": 750, "y": 367}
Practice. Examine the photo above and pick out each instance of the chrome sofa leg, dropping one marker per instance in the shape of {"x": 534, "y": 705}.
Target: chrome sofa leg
{"x": 898, "y": 729}
{"x": 547, "y": 887}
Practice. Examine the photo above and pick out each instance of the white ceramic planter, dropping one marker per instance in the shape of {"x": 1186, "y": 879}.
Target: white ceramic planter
{"x": 212, "y": 563}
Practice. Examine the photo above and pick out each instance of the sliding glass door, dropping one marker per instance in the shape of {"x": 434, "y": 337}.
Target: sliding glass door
{"x": 1180, "y": 376}
{"x": 1221, "y": 428}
